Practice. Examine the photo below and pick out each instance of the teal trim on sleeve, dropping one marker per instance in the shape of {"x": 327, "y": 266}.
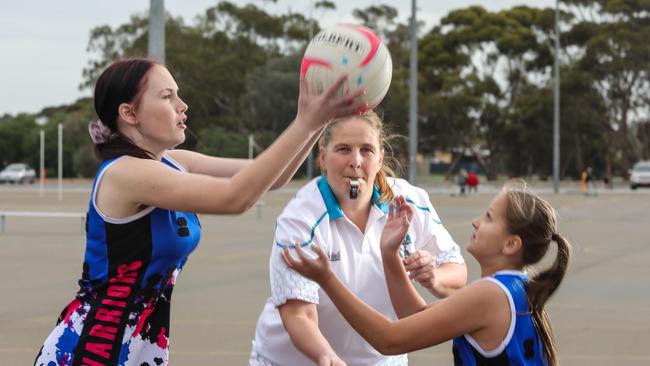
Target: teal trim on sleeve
{"x": 423, "y": 209}
{"x": 311, "y": 236}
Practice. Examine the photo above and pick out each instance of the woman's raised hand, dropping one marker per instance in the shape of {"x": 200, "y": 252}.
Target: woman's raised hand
{"x": 318, "y": 110}
{"x": 318, "y": 269}
{"x": 397, "y": 225}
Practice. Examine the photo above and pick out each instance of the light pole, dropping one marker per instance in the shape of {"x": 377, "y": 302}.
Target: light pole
{"x": 157, "y": 30}
{"x": 413, "y": 100}
{"x": 42, "y": 163}
{"x": 556, "y": 104}
{"x": 60, "y": 161}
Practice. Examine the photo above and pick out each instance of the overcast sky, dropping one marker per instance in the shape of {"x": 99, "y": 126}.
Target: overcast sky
{"x": 43, "y": 43}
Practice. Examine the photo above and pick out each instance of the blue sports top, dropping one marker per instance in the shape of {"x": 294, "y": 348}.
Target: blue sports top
{"x": 120, "y": 315}
{"x": 522, "y": 345}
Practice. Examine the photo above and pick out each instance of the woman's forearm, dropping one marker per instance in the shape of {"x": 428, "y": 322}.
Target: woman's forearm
{"x": 301, "y": 322}
{"x": 449, "y": 278}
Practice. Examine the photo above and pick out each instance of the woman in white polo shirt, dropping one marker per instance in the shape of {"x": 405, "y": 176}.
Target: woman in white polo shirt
{"x": 299, "y": 325}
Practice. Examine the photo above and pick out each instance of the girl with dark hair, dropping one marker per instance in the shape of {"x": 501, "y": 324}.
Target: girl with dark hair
{"x": 497, "y": 320}
{"x": 344, "y": 212}
{"x": 141, "y": 224}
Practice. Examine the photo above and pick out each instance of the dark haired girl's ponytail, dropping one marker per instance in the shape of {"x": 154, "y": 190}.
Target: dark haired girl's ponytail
{"x": 119, "y": 145}
{"x": 541, "y": 288}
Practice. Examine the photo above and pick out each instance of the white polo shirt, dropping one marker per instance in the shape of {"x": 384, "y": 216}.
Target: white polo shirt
{"x": 314, "y": 216}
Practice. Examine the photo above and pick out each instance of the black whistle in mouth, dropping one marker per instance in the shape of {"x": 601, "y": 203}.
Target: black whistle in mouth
{"x": 354, "y": 189}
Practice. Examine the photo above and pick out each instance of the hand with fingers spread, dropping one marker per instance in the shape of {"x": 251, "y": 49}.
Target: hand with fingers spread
{"x": 421, "y": 266}
{"x": 397, "y": 226}
{"x": 318, "y": 270}
{"x": 318, "y": 110}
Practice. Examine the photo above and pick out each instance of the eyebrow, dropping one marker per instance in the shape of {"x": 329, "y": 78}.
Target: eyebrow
{"x": 168, "y": 90}
{"x": 367, "y": 145}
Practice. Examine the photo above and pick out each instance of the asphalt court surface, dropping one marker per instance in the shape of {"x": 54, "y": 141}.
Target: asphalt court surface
{"x": 601, "y": 314}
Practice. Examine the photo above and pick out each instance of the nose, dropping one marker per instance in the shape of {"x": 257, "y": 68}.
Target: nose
{"x": 355, "y": 160}
{"x": 183, "y": 106}
{"x": 475, "y": 224}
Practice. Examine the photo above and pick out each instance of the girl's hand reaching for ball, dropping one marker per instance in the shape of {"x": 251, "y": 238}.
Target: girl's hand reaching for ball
{"x": 316, "y": 111}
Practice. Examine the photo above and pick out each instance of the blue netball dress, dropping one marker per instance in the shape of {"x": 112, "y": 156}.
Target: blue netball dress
{"x": 120, "y": 315}
{"x": 522, "y": 346}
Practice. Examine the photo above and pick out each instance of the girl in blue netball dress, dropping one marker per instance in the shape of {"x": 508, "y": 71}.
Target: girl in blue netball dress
{"x": 141, "y": 224}
{"x": 497, "y": 320}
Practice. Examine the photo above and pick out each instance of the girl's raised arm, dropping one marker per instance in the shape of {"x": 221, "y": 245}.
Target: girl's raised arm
{"x": 465, "y": 311}
{"x": 153, "y": 184}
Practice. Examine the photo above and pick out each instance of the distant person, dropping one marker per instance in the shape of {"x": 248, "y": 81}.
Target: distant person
{"x": 462, "y": 181}
{"x": 499, "y": 319}
{"x": 591, "y": 182}
{"x": 588, "y": 187}
{"x": 141, "y": 224}
{"x": 344, "y": 212}
{"x": 472, "y": 182}
{"x": 607, "y": 182}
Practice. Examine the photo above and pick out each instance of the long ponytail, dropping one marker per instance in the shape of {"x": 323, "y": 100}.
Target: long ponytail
{"x": 540, "y": 288}
{"x": 534, "y": 221}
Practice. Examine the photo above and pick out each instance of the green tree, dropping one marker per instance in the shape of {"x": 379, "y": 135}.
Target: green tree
{"x": 20, "y": 140}
{"x": 613, "y": 37}
{"x": 476, "y": 65}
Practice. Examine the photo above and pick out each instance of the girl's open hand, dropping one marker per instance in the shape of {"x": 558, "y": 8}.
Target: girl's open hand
{"x": 397, "y": 225}
{"x": 318, "y": 270}
{"x": 318, "y": 110}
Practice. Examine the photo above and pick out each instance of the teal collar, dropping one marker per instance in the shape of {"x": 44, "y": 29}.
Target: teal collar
{"x": 383, "y": 206}
{"x": 334, "y": 210}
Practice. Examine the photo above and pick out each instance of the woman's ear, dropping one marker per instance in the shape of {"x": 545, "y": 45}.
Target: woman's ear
{"x": 321, "y": 159}
{"x": 127, "y": 113}
{"x": 512, "y": 246}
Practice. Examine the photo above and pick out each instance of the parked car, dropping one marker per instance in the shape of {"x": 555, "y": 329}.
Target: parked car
{"x": 17, "y": 173}
{"x": 640, "y": 175}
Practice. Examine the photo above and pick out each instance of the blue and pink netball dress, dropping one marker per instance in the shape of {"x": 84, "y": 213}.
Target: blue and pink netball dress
{"x": 120, "y": 315}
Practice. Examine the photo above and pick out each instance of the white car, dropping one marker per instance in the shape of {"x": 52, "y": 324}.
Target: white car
{"x": 640, "y": 175}
{"x": 18, "y": 173}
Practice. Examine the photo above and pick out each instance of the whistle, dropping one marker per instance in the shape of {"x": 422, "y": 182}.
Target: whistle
{"x": 354, "y": 189}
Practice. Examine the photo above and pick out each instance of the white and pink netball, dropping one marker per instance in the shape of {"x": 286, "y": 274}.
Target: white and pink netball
{"x": 348, "y": 49}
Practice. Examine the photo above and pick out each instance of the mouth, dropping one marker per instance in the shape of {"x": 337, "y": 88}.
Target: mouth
{"x": 181, "y": 125}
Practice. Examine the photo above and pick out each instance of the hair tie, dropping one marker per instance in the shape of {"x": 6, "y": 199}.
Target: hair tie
{"x": 99, "y": 132}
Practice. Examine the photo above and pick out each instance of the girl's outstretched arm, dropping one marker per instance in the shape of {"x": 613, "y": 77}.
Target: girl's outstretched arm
{"x": 466, "y": 311}
{"x": 227, "y": 167}
{"x": 152, "y": 184}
